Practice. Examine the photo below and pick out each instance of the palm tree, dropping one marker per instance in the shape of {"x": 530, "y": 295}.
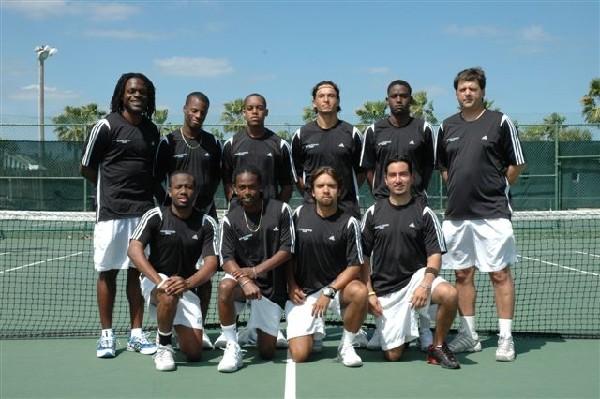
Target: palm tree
{"x": 422, "y": 108}
{"x": 308, "y": 114}
{"x": 232, "y": 117}
{"x": 591, "y": 103}
{"x": 547, "y": 131}
{"x": 370, "y": 112}
{"x": 159, "y": 118}
{"x": 75, "y": 123}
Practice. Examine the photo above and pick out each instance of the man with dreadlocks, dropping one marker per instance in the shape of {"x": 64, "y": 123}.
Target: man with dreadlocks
{"x": 118, "y": 158}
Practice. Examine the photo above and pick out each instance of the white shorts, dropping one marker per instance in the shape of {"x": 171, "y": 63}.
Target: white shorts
{"x": 300, "y": 321}
{"x": 188, "y": 308}
{"x": 111, "y": 239}
{"x": 400, "y": 322}
{"x": 488, "y": 244}
{"x": 264, "y": 315}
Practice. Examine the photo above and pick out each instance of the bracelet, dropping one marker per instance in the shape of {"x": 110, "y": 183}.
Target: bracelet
{"x": 245, "y": 282}
{"x": 432, "y": 270}
{"x": 254, "y": 272}
{"x": 160, "y": 284}
{"x": 371, "y": 293}
{"x": 427, "y": 287}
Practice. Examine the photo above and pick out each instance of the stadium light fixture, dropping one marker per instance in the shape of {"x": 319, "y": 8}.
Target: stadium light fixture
{"x": 43, "y": 52}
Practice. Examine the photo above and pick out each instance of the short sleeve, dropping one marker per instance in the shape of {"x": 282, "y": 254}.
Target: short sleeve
{"x": 354, "y": 253}
{"x": 367, "y": 237}
{"x": 432, "y": 230}
{"x": 96, "y": 145}
{"x": 148, "y": 226}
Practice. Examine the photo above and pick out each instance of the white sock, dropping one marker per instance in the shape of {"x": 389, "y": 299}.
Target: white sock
{"x": 108, "y": 332}
{"x": 136, "y": 332}
{"x": 467, "y": 324}
{"x": 347, "y": 338}
{"x": 229, "y": 332}
{"x": 505, "y": 326}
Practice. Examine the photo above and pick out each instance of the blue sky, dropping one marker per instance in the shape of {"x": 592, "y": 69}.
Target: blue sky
{"x": 539, "y": 56}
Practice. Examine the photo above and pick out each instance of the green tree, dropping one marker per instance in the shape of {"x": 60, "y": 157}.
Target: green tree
{"x": 217, "y": 133}
{"x": 159, "y": 118}
{"x": 547, "y": 130}
{"x": 308, "y": 114}
{"x": 591, "y": 103}
{"x": 370, "y": 112}
{"x": 75, "y": 123}
{"x": 233, "y": 117}
{"x": 422, "y": 108}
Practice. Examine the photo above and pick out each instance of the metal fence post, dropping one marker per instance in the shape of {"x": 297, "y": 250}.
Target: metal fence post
{"x": 556, "y": 168}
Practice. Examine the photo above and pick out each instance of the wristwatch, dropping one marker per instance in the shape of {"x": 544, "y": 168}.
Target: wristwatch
{"x": 329, "y": 292}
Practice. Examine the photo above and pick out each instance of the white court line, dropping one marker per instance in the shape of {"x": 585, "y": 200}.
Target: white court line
{"x": 40, "y": 261}
{"x": 4, "y": 253}
{"x": 290, "y": 378}
{"x": 577, "y": 252}
{"x": 562, "y": 267}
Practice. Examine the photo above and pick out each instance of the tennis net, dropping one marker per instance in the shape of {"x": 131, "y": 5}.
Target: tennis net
{"x": 48, "y": 282}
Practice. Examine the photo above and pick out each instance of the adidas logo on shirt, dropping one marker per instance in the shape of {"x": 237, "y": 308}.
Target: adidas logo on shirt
{"x": 484, "y": 138}
{"x": 412, "y": 225}
{"x": 411, "y": 142}
{"x": 276, "y": 228}
{"x": 269, "y": 154}
{"x": 332, "y": 238}
{"x": 206, "y": 154}
{"x": 195, "y": 237}
{"x": 341, "y": 145}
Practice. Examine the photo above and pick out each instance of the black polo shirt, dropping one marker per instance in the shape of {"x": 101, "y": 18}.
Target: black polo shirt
{"x": 399, "y": 239}
{"x": 476, "y": 155}
{"x": 176, "y": 244}
{"x": 325, "y": 247}
{"x": 123, "y": 155}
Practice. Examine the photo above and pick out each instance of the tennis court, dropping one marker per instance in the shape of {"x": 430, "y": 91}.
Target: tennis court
{"x": 47, "y": 289}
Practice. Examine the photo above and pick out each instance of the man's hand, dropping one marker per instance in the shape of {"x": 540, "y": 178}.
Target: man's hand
{"x": 250, "y": 290}
{"x": 320, "y": 307}
{"x": 175, "y": 285}
{"x": 297, "y": 296}
{"x": 420, "y": 296}
{"x": 374, "y": 306}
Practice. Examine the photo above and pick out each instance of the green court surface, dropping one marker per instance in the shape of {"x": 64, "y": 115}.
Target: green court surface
{"x": 67, "y": 368}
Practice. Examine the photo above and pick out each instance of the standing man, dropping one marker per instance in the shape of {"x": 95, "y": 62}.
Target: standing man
{"x": 325, "y": 272}
{"x": 178, "y": 236}
{"x": 119, "y": 159}
{"x": 257, "y": 237}
{"x": 259, "y": 147}
{"x": 328, "y": 141}
{"x": 198, "y": 152}
{"x": 480, "y": 157}
{"x": 398, "y": 136}
{"x": 404, "y": 241}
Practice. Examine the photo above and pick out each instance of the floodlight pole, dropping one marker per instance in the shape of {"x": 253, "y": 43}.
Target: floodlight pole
{"x": 43, "y": 52}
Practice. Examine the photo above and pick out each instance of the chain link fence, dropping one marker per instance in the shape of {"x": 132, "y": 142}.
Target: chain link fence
{"x": 45, "y": 175}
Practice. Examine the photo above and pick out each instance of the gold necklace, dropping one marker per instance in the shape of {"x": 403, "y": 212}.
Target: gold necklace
{"x": 259, "y": 220}
{"x": 186, "y": 142}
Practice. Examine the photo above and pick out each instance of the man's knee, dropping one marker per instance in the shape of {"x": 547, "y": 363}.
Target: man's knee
{"x": 394, "y": 354}
{"x": 502, "y": 277}
{"x": 356, "y": 292}
{"x": 225, "y": 291}
{"x": 445, "y": 294}
{"x": 465, "y": 276}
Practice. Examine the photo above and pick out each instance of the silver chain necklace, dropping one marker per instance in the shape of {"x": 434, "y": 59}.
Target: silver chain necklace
{"x": 186, "y": 142}
{"x": 259, "y": 220}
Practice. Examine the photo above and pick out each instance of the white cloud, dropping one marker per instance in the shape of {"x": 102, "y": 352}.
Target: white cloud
{"x": 194, "y": 66}
{"x": 122, "y": 34}
{"x": 473, "y": 31}
{"x": 44, "y": 9}
{"x": 534, "y": 33}
{"x": 113, "y": 12}
{"x": 378, "y": 70}
{"x": 30, "y": 92}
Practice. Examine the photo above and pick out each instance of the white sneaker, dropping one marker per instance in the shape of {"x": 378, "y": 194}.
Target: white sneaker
{"x": 506, "y": 350}
{"x": 232, "y": 358}
{"x": 281, "y": 340}
{"x": 360, "y": 339}
{"x": 206, "y": 344}
{"x": 374, "y": 343}
{"x": 106, "y": 346}
{"x": 163, "y": 358}
{"x": 425, "y": 339}
{"x": 141, "y": 344}
{"x": 463, "y": 342}
{"x": 347, "y": 355}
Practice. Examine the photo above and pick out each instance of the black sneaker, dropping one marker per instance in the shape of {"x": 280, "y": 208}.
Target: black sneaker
{"x": 443, "y": 356}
